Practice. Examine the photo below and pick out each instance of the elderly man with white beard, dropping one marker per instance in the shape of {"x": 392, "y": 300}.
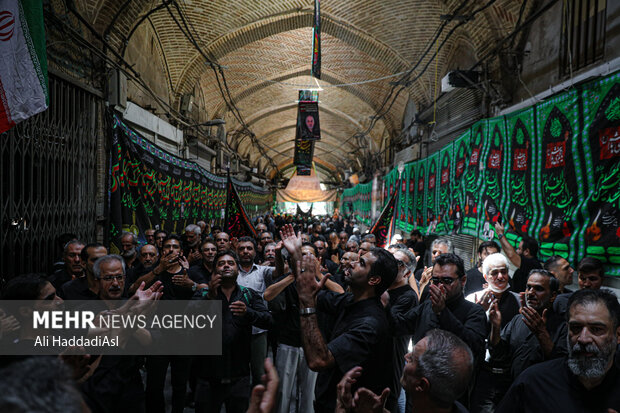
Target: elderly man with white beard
{"x": 587, "y": 380}
{"x": 494, "y": 378}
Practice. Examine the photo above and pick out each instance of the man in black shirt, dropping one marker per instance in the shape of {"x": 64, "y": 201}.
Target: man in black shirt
{"x": 402, "y": 299}
{"x": 562, "y": 270}
{"x": 177, "y": 285}
{"x": 587, "y": 380}
{"x": 524, "y": 258}
{"x": 72, "y": 268}
{"x": 225, "y": 379}
{"x": 475, "y": 280}
{"x": 361, "y": 334}
{"x": 204, "y": 269}
{"x": 535, "y": 335}
{"x": 85, "y": 288}
{"x": 447, "y": 309}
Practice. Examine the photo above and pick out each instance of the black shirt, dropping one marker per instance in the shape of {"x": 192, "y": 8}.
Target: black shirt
{"x": 59, "y": 278}
{"x": 519, "y": 346}
{"x": 519, "y": 279}
{"x": 77, "y": 289}
{"x": 285, "y": 310}
{"x": 475, "y": 281}
{"x": 360, "y": 338}
{"x": 552, "y": 387}
{"x": 402, "y": 299}
{"x": 466, "y": 320}
{"x": 199, "y": 272}
{"x": 176, "y": 292}
{"x": 234, "y": 362}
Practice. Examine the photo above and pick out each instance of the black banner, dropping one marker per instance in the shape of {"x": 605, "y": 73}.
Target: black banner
{"x": 237, "y": 223}
{"x": 316, "y": 40}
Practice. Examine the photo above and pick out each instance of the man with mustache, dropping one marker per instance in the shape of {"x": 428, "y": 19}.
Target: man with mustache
{"x": 72, "y": 265}
{"x": 270, "y": 255}
{"x": 535, "y": 335}
{"x": 587, "y": 380}
{"x": 129, "y": 249}
{"x": 225, "y": 379}
{"x": 494, "y": 379}
{"x": 85, "y": 288}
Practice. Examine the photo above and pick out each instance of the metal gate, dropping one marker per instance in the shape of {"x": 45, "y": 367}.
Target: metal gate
{"x": 48, "y": 187}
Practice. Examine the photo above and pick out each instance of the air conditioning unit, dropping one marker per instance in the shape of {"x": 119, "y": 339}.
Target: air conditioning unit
{"x": 117, "y": 89}
{"x": 223, "y": 159}
{"x": 258, "y": 181}
{"x": 221, "y": 133}
{"x": 460, "y": 79}
{"x": 187, "y": 103}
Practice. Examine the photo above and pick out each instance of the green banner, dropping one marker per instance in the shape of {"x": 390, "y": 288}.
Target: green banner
{"x": 559, "y": 191}
{"x": 445, "y": 221}
{"x": 601, "y": 143}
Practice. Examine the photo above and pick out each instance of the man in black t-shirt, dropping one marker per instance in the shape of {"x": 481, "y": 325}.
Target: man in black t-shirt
{"x": 361, "y": 335}
{"x": 524, "y": 258}
{"x": 587, "y": 380}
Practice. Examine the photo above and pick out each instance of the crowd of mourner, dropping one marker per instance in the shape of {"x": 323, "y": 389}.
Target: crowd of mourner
{"x": 316, "y": 318}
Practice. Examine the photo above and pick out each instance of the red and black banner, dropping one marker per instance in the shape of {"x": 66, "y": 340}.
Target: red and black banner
{"x": 236, "y": 223}
{"x": 384, "y": 226}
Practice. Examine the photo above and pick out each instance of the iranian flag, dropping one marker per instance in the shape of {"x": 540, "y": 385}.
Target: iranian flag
{"x": 23, "y": 61}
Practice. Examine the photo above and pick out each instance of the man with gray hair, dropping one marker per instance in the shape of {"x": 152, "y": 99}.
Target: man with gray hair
{"x": 72, "y": 268}
{"x": 587, "y": 380}
{"x": 438, "y": 247}
{"x": 437, "y": 373}
{"x": 129, "y": 248}
{"x": 191, "y": 244}
{"x": 109, "y": 272}
{"x": 39, "y": 384}
{"x": 494, "y": 379}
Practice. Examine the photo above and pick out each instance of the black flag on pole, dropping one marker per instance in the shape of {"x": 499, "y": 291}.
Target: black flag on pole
{"x": 316, "y": 40}
{"x": 383, "y": 228}
{"x": 236, "y": 223}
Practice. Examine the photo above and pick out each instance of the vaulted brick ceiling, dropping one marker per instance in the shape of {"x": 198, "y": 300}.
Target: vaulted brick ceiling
{"x": 265, "y": 48}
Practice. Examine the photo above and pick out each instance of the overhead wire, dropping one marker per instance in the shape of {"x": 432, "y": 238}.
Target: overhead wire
{"x": 406, "y": 80}
{"x": 222, "y": 85}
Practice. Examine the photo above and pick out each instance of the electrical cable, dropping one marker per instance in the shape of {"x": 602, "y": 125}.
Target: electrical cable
{"x": 224, "y": 91}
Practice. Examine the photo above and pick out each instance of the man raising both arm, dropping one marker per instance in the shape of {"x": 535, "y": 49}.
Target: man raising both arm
{"x": 360, "y": 336}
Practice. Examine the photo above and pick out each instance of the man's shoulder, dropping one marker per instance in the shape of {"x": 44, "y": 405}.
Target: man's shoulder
{"x": 551, "y": 371}
{"x": 529, "y": 263}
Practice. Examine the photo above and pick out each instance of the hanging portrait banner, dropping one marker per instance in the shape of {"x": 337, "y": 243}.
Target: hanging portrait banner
{"x": 308, "y": 121}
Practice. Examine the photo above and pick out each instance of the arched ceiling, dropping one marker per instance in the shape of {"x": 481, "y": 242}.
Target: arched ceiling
{"x": 264, "y": 47}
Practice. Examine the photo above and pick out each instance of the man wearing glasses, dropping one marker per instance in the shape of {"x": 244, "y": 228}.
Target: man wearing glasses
{"x": 447, "y": 308}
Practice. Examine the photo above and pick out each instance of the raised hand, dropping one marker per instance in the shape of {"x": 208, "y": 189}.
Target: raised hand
{"x": 495, "y": 317}
{"x": 344, "y": 396}
{"x": 154, "y": 292}
{"x": 499, "y": 228}
{"x": 214, "y": 285}
{"x": 365, "y": 401}
{"x": 438, "y": 298}
{"x": 307, "y": 285}
{"x": 264, "y": 396}
{"x": 290, "y": 241}
{"x": 485, "y": 300}
{"x": 534, "y": 321}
